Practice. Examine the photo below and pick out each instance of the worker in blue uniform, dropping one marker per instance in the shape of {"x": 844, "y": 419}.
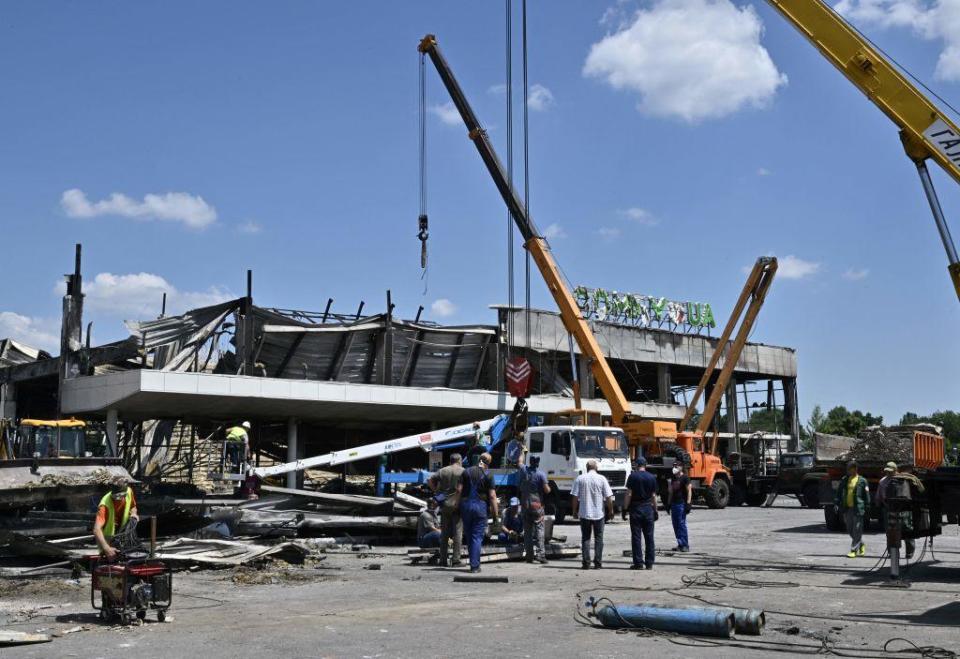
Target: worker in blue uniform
{"x": 477, "y": 500}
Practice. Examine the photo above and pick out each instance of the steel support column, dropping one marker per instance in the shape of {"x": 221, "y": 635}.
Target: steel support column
{"x": 112, "y": 419}
{"x": 291, "y": 450}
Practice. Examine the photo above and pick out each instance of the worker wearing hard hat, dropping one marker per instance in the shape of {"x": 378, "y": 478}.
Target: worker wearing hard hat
{"x": 238, "y": 445}
{"x": 511, "y": 528}
{"x": 117, "y": 508}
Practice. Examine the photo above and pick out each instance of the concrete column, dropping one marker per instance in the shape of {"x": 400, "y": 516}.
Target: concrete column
{"x": 790, "y": 415}
{"x": 585, "y": 374}
{"x": 733, "y": 420}
{"x": 664, "y": 383}
{"x": 112, "y": 418}
{"x": 291, "y": 450}
{"x": 8, "y": 401}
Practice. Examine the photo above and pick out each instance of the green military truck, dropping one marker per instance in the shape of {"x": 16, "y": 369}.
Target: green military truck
{"x": 801, "y": 473}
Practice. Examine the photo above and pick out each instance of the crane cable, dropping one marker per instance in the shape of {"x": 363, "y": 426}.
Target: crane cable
{"x": 526, "y": 173}
{"x": 423, "y": 231}
{"x": 509, "y": 94}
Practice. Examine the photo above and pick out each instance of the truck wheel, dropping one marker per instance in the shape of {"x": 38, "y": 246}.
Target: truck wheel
{"x": 756, "y": 499}
{"x": 718, "y": 494}
{"x": 833, "y": 519}
{"x": 811, "y": 496}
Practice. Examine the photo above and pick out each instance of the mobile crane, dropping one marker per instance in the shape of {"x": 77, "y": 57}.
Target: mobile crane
{"x": 658, "y": 439}
{"x": 925, "y": 131}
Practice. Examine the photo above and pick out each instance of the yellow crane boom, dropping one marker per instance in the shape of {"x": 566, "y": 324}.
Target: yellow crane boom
{"x": 926, "y": 132}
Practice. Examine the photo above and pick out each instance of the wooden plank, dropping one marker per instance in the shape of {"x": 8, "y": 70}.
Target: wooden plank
{"x": 10, "y": 638}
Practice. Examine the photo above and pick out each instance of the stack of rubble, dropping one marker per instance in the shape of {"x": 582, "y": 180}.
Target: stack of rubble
{"x": 878, "y": 444}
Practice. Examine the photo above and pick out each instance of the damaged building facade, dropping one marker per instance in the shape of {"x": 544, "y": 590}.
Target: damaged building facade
{"x": 312, "y": 382}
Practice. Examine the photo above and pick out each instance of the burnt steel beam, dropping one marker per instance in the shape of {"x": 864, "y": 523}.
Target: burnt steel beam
{"x": 480, "y": 361}
{"x": 453, "y": 360}
{"x": 106, "y": 354}
{"x": 412, "y": 356}
{"x": 287, "y": 357}
{"x": 336, "y": 364}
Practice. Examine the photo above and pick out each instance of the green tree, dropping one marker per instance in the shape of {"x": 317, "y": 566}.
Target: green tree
{"x": 841, "y": 421}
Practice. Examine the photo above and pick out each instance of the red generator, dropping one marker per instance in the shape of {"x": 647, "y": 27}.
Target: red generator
{"x": 130, "y": 588}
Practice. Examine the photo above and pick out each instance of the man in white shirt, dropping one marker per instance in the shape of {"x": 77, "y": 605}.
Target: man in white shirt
{"x": 592, "y": 501}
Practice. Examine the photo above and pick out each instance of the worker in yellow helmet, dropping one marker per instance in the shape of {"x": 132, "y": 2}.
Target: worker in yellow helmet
{"x": 117, "y": 508}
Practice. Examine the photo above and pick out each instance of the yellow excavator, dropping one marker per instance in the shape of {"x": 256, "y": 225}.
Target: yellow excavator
{"x": 659, "y": 440}
{"x": 925, "y": 131}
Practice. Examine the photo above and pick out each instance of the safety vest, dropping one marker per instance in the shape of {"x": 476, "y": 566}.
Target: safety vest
{"x": 237, "y": 434}
{"x": 110, "y": 527}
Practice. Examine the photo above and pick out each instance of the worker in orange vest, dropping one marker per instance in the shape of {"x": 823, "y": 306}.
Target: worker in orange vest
{"x": 117, "y": 508}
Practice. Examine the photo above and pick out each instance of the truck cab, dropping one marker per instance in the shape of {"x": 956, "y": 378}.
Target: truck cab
{"x": 564, "y": 451}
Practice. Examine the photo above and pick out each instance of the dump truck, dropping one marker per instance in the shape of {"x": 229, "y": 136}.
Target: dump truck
{"x": 917, "y": 449}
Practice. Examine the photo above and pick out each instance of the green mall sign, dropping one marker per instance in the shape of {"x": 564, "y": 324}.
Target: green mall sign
{"x": 642, "y": 310}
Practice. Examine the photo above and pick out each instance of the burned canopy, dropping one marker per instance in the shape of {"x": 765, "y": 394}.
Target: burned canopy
{"x": 373, "y": 349}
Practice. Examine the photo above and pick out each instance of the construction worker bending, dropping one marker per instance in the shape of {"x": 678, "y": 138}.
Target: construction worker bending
{"x": 238, "y": 445}
{"x": 511, "y": 528}
{"x": 477, "y": 499}
{"x": 533, "y": 494}
{"x": 428, "y": 526}
{"x": 117, "y": 508}
{"x": 853, "y": 502}
{"x": 444, "y": 484}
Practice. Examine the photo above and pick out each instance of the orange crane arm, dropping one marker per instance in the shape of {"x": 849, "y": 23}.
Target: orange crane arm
{"x": 573, "y": 320}
{"x": 926, "y": 132}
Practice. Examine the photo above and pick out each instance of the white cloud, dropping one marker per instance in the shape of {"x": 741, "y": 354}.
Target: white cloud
{"x": 539, "y": 98}
{"x": 443, "y": 308}
{"x": 855, "y": 274}
{"x": 554, "y": 231}
{"x": 641, "y": 216}
{"x": 137, "y": 296}
{"x": 692, "y": 59}
{"x": 936, "y": 20}
{"x": 763, "y": 171}
{"x": 192, "y": 210}
{"x": 249, "y": 227}
{"x": 41, "y": 333}
{"x": 792, "y": 267}
{"x": 447, "y": 113}
{"x": 608, "y": 233}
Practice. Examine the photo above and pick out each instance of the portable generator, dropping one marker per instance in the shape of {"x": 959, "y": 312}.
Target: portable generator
{"x": 134, "y": 582}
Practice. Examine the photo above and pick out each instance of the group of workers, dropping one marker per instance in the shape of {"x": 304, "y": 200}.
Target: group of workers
{"x": 852, "y": 501}
{"x": 465, "y": 499}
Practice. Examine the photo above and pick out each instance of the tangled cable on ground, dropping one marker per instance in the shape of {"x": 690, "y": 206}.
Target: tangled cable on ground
{"x": 721, "y": 579}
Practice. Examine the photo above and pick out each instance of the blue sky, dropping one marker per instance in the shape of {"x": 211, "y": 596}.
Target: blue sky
{"x": 282, "y": 137}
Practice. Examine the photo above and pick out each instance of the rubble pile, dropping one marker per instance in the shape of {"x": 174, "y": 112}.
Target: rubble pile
{"x": 880, "y": 444}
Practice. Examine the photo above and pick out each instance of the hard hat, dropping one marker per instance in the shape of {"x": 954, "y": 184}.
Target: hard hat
{"x": 514, "y": 501}
{"x": 246, "y": 424}
{"x": 890, "y": 467}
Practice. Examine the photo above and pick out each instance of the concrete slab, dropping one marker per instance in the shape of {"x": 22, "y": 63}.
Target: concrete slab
{"x": 153, "y": 395}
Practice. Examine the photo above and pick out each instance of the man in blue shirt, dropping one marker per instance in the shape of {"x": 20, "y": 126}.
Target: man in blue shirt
{"x": 640, "y": 504}
{"x": 477, "y": 500}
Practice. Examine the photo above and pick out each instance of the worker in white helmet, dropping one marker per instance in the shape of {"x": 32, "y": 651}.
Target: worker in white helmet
{"x": 238, "y": 445}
